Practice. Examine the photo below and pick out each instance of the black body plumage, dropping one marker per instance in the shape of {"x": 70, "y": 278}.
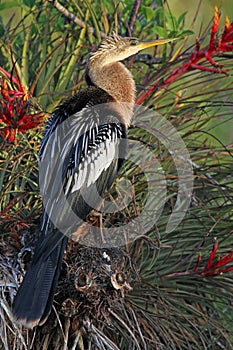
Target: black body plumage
{"x": 80, "y": 152}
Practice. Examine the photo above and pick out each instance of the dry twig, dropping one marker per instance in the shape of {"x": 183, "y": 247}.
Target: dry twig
{"x": 73, "y": 18}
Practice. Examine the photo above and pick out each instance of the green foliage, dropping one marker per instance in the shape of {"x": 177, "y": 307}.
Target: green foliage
{"x": 8, "y": 5}
{"x": 45, "y": 49}
{"x": 20, "y": 203}
{"x": 50, "y": 50}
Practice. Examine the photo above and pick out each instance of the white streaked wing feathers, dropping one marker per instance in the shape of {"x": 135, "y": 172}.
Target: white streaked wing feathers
{"x": 96, "y": 161}
{"x": 99, "y": 149}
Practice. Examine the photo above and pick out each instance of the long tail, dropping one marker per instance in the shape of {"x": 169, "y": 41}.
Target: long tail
{"x": 34, "y": 298}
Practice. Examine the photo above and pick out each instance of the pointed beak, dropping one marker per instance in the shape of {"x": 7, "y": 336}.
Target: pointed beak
{"x": 145, "y": 45}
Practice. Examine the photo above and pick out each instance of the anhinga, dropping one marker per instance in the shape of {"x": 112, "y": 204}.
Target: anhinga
{"x": 108, "y": 81}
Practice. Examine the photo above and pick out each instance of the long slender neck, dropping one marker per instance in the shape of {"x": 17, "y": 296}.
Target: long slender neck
{"x": 118, "y": 82}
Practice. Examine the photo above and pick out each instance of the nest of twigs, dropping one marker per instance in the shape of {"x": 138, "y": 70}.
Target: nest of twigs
{"x": 93, "y": 283}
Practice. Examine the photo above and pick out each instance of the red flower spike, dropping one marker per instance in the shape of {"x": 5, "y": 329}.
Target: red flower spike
{"x": 214, "y": 29}
{"x": 17, "y": 113}
{"x": 213, "y": 267}
{"x": 212, "y": 254}
{"x": 225, "y": 260}
{"x": 227, "y": 37}
{"x": 227, "y": 23}
{"x": 198, "y": 263}
{"x": 215, "y": 47}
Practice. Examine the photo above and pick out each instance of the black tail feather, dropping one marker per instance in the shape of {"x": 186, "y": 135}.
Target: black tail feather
{"x": 34, "y": 298}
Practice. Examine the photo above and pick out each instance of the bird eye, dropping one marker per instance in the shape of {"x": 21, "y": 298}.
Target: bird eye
{"x": 133, "y": 42}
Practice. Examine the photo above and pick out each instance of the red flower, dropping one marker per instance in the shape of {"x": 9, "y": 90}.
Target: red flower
{"x": 215, "y": 266}
{"x": 227, "y": 37}
{"x": 225, "y": 44}
{"x": 17, "y": 112}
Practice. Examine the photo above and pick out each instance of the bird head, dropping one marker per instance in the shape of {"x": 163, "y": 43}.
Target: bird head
{"x": 116, "y": 48}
